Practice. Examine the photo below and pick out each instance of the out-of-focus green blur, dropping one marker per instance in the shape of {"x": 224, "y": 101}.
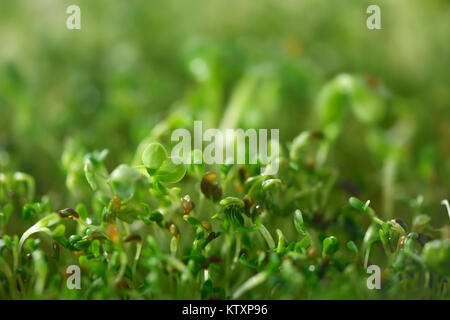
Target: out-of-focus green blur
{"x": 132, "y": 62}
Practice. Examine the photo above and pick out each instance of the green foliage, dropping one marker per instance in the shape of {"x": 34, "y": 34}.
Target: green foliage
{"x": 153, "y": 157}
{"x": 86, "y": 175}
{"x": 436, "y": 256}
{"x": 330, "y": 246}
{"x": 223, "y": 247}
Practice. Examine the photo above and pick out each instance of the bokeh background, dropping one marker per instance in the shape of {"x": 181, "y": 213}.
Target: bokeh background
{"x": 133, "y": 63}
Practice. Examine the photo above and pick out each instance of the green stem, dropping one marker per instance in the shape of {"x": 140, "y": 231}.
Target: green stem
{"x": 389, "y": 170}
{"x": 239, "y": 101}
{"x": 267, "y": 236}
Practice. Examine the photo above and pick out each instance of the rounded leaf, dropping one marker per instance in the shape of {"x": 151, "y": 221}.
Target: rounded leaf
{"x": 436, "y": 256}
{"x": 153, "y": 157}
{"x": 122, "y": 181}
{"x": 170, "y": 171}
{"x": 367, "y": 106}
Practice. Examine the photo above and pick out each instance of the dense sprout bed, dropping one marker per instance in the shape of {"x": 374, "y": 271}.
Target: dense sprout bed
{"x": 156, "y": 229}
{"x": 86, "y": 178}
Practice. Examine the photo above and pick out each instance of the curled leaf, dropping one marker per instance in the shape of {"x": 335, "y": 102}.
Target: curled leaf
{"x": 358, "y": 204}
{"x": 270, "y": 184}
{"x": 171, "y": 171}
{"x": 298, "y": 222}
{"x": 330, "y": 245}
{"x": 232, "y": 201}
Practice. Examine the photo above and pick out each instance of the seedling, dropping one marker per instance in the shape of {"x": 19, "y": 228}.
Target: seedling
{"x": 157, "y": 228}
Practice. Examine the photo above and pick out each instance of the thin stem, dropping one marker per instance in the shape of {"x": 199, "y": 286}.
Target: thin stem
{"x": 250, "y": 284}
{"x": 267, "y": 236}
{"x": 389, "y": 170}
{"x": 136, "y": 256}
{"x": 237, "y": 104}
{"x": 447, "y": 206}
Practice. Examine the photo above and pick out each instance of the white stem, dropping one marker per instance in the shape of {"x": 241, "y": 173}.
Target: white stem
{"x": 267, "y": 236}
{"x": 34, "y": 229}
{"x": 447, "y": 205}
{"x": 250, "y": 284}
{"x": 137, "y": 255}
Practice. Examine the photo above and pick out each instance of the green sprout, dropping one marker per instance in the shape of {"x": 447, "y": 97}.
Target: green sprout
{"x": 142, "y": 224}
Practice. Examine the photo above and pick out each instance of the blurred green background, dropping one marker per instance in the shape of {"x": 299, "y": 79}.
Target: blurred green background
{"x": 134, "y": 62}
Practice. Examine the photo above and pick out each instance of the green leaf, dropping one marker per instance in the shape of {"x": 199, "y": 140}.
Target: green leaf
{"x": 95, "y": 247}
{"x": 122, "y": 181}
{"x": 235, "y": 216}
{"x": 129, "y": 216}
{"x": 331, "y": 103}
{"x": 436, "y": 256}
{"x": 229, "y": 201}
{"x": 384, "y": 239}
{"x": 352, "y": 247}
{"x": 366, "y": 105}
{"x": 153, "y": 157}
{"x": 298, "y": 222}
{"x": 6, "y": 214}
{"x": 192, "y": 221}
{"x": 171, "y": 171}
{"x": 271, "y": 183}
{"x": 156, "y": 216}
{"x": 89, "y": 173}
{"x": 31, "y": 244}
{"x": 74, "y": 238}
{"x": 330, "y": 245}
{"x": 40, "y": 226}
{"x": 267, "y": 236}
{"x": 82, "y": 211}
{"x": 304, "y": 243}
{"x": 27, "y": 211}
{"x": 82, "y": 244}
{"x": 59, "y": 231}
{"x": 298, "y": 144}
{"x": 174, "y": 245}
{"x": 82, "y": 260}
{"x": 7, "y": 241}
{"x": 420, "y": 221}
{"x": 281, "y": 241}
{"x": 48, "y": 220}
{"x": 358, "y": 204}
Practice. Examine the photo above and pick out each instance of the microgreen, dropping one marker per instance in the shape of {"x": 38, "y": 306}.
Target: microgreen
{"x": 156, "y": 228}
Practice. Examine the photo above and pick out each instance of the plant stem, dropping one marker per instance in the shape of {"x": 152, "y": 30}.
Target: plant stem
{"x": 250, "y": 284}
